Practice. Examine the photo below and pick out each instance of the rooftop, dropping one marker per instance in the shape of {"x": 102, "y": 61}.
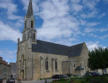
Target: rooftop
{"x": 53, "y": 48}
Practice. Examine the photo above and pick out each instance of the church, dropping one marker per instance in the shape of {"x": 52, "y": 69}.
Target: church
{"x": 37, "y": 59}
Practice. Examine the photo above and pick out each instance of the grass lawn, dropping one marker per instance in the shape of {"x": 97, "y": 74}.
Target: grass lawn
{"x": 61, "y": 81}
{"x": 99, "y": 79}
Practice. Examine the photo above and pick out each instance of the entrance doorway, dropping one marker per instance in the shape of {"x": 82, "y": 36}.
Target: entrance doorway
{"x": 22, "y": 74}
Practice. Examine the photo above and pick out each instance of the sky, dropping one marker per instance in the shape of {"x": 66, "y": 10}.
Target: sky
{"x": 66, "y": 22}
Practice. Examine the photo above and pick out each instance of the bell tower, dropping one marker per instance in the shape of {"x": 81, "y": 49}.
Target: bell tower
{"x": 24, "y": 52}
{"x": 29, "y": 32}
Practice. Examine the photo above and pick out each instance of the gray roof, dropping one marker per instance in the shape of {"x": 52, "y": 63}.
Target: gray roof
{"x": 76, "y": 49}
{"x": 52, "y": 48}
{"x": 30, "y": 10}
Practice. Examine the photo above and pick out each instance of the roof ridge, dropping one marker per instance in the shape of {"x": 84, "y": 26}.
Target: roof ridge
{"x": 78, "y": 44}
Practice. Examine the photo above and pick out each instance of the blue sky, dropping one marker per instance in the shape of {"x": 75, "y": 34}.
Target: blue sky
{"x": 65, "y": 22}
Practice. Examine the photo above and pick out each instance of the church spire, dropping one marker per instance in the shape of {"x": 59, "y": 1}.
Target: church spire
{"x": 30, "y": 10}
{"x": 29, "y": 32}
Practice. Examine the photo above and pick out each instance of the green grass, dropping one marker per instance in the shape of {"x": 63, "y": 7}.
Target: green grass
{"x": 99, "y": 79}
{"x": 61, "y": 81}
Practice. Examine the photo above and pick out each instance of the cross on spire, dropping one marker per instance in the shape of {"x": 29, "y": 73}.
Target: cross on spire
{"x": 30, "y": 10}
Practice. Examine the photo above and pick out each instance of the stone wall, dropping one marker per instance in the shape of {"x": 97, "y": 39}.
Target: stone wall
{"x": 74, "y": 62}
{"x": 31, "y": 65}
{"x": 66, "y": 67}
{"x": 24, "y": 61}
{"x": 39, "y": 65}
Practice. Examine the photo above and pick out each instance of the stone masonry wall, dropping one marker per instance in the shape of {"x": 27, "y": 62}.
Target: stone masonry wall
{"x": 39, "y": 65}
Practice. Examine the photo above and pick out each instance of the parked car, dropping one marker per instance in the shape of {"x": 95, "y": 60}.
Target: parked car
{"x": 69, "y": 75}
{"x": 87, "y": 74}
{"x": 91, "y": 74}
{"x": 95, "y": 74}
{"x": 60, "y": 77}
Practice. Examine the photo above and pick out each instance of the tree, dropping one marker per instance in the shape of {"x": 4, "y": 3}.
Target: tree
{"x": 98, "y": 58}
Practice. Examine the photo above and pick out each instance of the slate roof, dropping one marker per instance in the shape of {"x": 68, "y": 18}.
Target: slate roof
{"x": 76, "y": 49}
{"x": 52, "y": 48}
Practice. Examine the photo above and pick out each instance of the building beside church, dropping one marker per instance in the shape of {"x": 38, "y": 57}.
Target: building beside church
{"x": 37, "y": 59}
{"x": 4, "y": 69}
{"x": 13, "y": 69}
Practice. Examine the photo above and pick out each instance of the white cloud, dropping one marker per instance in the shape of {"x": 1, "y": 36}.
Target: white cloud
{"x": 35, "y": 5}
{"x": 92, "y": 32}
{"x": 8, "y": 55}
{"x": 91, "y": 14}
{"x": 58, "y": 24}
{"x": 92, "y": 45}
{"x": 75, "y": 1}
{"x": 103, "y": 29}
{"x": 88, "y": 30}
{"x": 11, "y": 9}
{"x": 103, "y": 37}
{"x": 77, "y": 7}
{"x": 57, "y": 21}
{"x": 106, "y": 1}
{"x": 7, "y": 33}
{"x": 54, "y": 8}
{"x": 90, "y": 3}
{"x": 92, "y": 24}
{"x": 19, "y": 23}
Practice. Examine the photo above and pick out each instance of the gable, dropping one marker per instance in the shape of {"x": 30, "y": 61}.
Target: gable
{"x": 76, "y": 50}
{"x": 84, "y": 51}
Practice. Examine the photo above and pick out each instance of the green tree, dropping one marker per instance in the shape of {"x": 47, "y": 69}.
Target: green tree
{"x": 98, "y": 58}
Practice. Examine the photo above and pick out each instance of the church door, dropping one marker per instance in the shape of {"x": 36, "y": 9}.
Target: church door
{"x": 22, "y": 74}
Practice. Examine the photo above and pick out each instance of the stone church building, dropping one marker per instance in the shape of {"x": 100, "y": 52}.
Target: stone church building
{"x": 37, "y": 59}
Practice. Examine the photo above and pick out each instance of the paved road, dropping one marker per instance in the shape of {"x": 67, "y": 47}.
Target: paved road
{"x": 36, "y": 81}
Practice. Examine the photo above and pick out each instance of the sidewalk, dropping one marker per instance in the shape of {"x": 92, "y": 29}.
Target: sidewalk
{"x": 36, "y": 81}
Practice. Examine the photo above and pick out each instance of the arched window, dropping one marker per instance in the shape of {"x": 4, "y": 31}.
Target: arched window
{"x": 46, "y": 64}
{"x": 41, "y": 62}
{"x": 52, "y": 64}
{"x": 23, "y": 59}
{"x": 56, "y": 65}
{"x": 31, "y": 24}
